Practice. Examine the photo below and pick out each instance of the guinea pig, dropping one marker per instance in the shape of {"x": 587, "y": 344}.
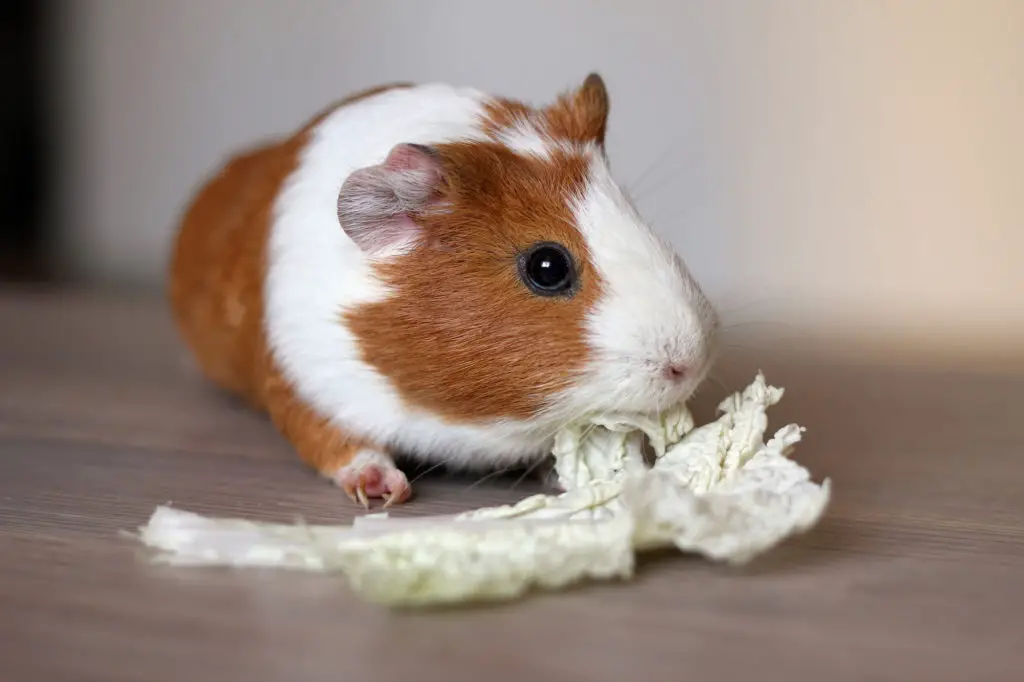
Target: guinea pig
{"x": 438, "y": 273}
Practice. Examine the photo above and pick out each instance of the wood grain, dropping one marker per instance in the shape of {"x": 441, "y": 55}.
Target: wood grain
{"x": 913, "y": 575}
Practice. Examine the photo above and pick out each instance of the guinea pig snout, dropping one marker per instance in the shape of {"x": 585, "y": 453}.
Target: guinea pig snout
{"x": 683, "y": 361}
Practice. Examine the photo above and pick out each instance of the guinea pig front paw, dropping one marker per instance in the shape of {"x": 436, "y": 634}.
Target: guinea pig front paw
{"x": 373, "y": 474}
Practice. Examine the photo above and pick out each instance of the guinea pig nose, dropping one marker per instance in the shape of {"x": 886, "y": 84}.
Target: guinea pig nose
{"x": 674, "y": 371}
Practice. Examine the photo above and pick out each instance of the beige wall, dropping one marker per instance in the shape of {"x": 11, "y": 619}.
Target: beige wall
{"x": 847, "y": 165}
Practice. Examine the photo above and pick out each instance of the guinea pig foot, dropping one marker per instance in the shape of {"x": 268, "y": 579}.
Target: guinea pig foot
{"x": 373, "y": 477}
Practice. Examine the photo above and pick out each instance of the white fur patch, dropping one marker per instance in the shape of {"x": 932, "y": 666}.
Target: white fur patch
{"x": 523, "y": 138}
{"x": 652, "y": 311}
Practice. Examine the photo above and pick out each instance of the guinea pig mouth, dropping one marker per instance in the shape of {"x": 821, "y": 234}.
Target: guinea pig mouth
{"x": 674, "y": 396}
{"x": 619, "y": 382}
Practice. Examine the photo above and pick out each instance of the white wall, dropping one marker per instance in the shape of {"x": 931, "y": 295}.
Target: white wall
{"x": 848, "y": 165}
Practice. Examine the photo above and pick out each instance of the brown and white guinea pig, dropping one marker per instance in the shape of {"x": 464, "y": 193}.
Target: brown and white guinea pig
{"x": 438, "y": 273}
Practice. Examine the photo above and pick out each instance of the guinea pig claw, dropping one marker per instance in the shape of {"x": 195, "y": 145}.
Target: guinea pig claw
{"x": 362, "y": 498}
{"x": 358, "y": 495}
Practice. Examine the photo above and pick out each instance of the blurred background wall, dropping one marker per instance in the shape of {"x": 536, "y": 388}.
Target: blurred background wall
{"x": 847, "y": 168}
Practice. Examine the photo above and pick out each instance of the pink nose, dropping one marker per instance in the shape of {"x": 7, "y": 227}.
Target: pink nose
{"x": 674, "y": 371}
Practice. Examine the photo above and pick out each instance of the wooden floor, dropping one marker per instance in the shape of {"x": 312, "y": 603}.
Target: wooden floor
{"x": 916, "y": 573}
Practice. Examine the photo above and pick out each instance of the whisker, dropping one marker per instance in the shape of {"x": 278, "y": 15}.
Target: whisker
{"x": 662, "y": 182}
{"x": 529, "y": 470}
{"x": 715, "y": 380}
{"x": 431, "y": 469}
{"x": 637, "y": 185}
{"x": 680, "y": 212}
{"x": 494, "y": 474}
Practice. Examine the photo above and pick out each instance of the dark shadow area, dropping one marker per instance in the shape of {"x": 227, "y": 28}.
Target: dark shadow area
{"x": 24, "y": 144}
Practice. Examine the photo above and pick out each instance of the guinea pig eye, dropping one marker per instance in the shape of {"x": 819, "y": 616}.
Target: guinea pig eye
{"x": 547, "y": 269}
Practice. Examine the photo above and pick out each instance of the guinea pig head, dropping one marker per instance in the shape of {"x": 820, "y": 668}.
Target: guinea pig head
{"x": 522, "y": 284}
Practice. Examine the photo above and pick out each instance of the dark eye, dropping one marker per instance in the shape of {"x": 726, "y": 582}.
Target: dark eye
{"x": 548, "y": 270}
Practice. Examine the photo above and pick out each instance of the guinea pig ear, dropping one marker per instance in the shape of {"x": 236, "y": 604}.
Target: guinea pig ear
{"x": 582, "y": 115}
{"x": 376, "y": 204}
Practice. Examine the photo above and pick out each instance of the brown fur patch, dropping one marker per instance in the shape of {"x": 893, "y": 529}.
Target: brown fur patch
{"x": 580, "y": 116}
{"x": 216, "y": 279}
{"x": 462, "y": 336}
{"x": 502, "y": 113}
